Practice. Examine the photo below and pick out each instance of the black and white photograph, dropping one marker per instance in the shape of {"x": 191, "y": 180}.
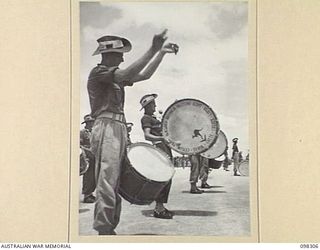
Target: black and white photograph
{"x": 164, "y": 129}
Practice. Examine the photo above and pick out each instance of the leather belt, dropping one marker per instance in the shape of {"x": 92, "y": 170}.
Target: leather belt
{"x": 113, "y": 116}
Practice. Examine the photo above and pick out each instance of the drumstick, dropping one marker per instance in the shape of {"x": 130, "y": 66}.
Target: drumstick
{"x": 178, "y": 143}
{"x": 175, "y": 48}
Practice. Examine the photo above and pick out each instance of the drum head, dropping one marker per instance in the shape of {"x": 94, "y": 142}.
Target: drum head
{"x": 218, "y": 148}
{"x": 190, "y": 126}
{"x": 150, "y": 162}
{"x": 244, "y": 168}
{"x": 220, "y": 158}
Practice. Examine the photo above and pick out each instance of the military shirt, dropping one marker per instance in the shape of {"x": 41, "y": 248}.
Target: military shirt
{"x": 104, "y": 93}
{"x": 148, "y": 121}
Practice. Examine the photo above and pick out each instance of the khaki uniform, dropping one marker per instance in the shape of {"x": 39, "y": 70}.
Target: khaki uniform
{"x": 88, "y": 181}
{"x": 108, "y": 144}
{"x": 199, "y": 168}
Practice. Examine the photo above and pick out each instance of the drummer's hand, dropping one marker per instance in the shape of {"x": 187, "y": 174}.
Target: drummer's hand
{"x": 170, "y": 48}
{"x": 165, "y": 140}
{"x": 178, "y": 143}
{"x": 158, "y": 40}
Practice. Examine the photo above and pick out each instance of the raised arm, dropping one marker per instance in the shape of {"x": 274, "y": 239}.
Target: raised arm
{"x": 153, "y": 65}
{"x": 126, "y": 75}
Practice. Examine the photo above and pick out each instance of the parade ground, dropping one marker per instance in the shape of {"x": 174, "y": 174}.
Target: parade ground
{"x": 220, "y": 211}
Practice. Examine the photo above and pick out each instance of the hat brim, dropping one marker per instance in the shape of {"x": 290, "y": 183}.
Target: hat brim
{"x": 145, "y": 104}
{"x": 87, "y": 121}
{"x": 126, "y": 48}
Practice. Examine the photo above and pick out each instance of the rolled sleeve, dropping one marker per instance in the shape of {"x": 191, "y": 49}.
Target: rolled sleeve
{"x": 102, "y": 74}
{"x": 146, "y": 122}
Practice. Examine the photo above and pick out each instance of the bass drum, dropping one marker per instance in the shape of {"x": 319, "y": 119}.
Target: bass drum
{"x": 244, "y": 168}
{"x": 190, "y": 126}
{"x": 218, "y": 148}
{"x": 146, "y": 172}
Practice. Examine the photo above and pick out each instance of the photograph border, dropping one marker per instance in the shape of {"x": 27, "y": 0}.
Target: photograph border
{"x": 73, "y": 225}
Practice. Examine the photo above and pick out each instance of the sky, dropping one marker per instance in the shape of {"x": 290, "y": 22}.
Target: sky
{"x": 211, "y": 65}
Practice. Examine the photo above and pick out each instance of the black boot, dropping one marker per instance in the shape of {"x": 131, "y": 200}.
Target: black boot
{"x": 206, "y": 185}
{"x": 195, "y": 190}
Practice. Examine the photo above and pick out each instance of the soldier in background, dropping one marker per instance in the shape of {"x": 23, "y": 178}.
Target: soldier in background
{"x": 88, "y": 180}
{"x": 226, "y": 161}
{"x": 235, "y": 157}
{"x": 204, "y": 172}
{"x": 194, "y": 174}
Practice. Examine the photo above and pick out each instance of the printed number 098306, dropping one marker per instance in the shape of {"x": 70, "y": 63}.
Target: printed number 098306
{"x": 309, "y": 246}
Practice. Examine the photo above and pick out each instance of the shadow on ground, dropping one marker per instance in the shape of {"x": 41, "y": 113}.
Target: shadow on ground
{"x": 145, "y": 234}
{"x": 214, "y": 192}
{"x": 207, "y": 191}
{"x": 149, "y": 213}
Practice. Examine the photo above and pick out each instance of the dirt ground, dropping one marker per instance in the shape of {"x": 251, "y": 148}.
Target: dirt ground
{"x": 221, "y": 211}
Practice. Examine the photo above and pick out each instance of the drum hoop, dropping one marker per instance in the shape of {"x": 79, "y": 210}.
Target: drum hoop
{"x": 225, "y": 137}
{"x": 135, "y": 201}
{"x": 143, "y": 178}
{"x": 214, "y": 114}
{"x": 153, "y": 147}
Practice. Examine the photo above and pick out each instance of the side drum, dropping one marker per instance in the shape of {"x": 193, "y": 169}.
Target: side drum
{"x": 146, "y": 172}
